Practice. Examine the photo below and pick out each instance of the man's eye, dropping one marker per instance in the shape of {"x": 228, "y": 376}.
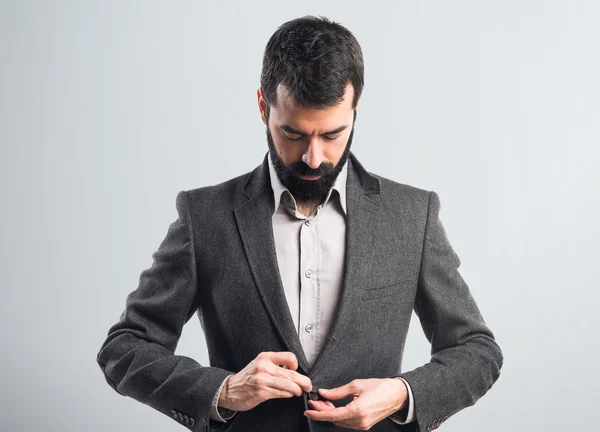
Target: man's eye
{"x": 327, "y": 138}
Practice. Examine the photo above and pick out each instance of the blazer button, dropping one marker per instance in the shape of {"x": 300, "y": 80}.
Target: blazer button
{"x": 174, "y": 413}
{"x": 186, "y": 419}
{"x": 192, "y": 421}
{"x": 313, "y": 395}
{"x": 180, "y": 416}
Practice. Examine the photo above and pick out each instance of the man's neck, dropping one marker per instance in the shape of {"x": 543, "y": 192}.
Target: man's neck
{"x": 307, "y": 208}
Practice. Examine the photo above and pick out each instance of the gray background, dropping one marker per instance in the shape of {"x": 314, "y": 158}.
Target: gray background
{"x": 108, "y": 109}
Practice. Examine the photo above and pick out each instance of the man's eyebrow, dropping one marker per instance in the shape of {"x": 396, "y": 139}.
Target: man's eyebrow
{"x": 289, "y": 129}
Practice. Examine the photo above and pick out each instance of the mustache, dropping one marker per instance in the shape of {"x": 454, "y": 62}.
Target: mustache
{"x": 300, "y": 168}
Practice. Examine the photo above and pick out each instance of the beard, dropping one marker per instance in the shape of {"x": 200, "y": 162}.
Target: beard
{"x": 302, "y": 190}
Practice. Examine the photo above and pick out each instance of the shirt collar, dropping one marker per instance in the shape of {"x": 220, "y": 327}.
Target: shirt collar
{"x": 279, "y": 189}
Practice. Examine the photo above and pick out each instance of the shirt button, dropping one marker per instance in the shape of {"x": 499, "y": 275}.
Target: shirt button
{"x": 308, "y": 328}
{"x": 308, "y": 273}
{"x": 307, "y": 223}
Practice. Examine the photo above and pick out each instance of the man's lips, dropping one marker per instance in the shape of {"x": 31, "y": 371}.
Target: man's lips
{"x": 303, "y": 177}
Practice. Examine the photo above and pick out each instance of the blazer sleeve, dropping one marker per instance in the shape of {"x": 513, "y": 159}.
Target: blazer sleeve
{"x": 137, "y": 358}
{"x": 465, "y": 358}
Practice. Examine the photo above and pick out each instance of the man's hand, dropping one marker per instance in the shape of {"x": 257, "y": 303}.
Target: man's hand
{"x": 374, "y": 400}
{"x": 270, "y": 375}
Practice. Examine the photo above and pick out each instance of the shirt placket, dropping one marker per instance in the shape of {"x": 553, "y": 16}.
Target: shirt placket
{"x": 309, "y": 287}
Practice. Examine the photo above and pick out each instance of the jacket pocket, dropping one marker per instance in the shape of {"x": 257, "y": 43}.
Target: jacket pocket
{"x": 386, "y": 290}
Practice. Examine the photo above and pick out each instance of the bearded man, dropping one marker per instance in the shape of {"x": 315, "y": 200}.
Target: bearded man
{"x": 304, "y": 274}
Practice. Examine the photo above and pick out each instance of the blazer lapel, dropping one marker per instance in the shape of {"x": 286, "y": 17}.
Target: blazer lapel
{"x": 254, "y": 220}
{"x": 364, "y": 218}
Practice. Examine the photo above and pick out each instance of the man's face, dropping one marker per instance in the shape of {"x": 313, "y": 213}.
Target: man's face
{"x": 308, "y": 146}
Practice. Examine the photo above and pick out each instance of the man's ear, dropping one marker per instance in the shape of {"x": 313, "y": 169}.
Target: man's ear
{"x": 262, "y": 105}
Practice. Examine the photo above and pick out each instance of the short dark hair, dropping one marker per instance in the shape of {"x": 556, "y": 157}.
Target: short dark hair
{"x": 314, "y": 58}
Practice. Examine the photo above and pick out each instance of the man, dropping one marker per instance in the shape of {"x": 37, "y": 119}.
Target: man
{"x": 304, "y": 273}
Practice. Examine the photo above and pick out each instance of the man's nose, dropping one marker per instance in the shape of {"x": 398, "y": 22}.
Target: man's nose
{"x": 313, "y": 156}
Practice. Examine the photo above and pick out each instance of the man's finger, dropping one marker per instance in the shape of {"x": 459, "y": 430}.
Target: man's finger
{"x": 332, "y": 415}
{"x": 302, "y": 380}
{"x": 321, "y": 405}
{"x": 339, "y": 392}
{"x": 280, "y": 384}
{"x": 284, "y": 358}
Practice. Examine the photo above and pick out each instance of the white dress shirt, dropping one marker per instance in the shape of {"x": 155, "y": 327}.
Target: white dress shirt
{"x": 310, "y": 255}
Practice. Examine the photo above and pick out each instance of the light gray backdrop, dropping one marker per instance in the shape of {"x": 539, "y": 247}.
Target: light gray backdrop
{"x": 109, "y": 108}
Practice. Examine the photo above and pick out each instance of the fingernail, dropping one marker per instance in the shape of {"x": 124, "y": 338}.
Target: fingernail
{"x": 325, "y": 390}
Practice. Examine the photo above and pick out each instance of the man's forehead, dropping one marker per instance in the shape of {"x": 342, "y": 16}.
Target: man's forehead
{"x": 284, "y": 96}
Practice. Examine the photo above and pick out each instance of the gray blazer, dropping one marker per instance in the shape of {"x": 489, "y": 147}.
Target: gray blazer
{"x": 218, "y": 260}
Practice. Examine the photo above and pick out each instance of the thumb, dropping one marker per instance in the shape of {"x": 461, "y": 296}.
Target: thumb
{"x": 339, "y": 392}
